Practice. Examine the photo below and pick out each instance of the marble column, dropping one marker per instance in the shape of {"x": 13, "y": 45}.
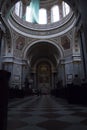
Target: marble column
{"x": 82, "y": 7}
{"x": 48, "y": 15}
{"x": 83, "y": 53}
{"x": 0, "y": 46}
{"x": 24, "y": 11}
{"x": 35, "y": 85}
{"x": 61, "y": 10}
{"x": 52, "y": 81}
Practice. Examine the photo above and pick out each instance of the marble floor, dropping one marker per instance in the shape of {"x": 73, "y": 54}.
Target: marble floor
{"x": 45, "y": 113}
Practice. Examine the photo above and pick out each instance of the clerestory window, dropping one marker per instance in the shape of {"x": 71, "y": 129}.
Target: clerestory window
{"x": 42, "y": 16}
{"x": 66, "y": 8}
{"x": 55, "y": 14}
{"x": 18, "y": 9}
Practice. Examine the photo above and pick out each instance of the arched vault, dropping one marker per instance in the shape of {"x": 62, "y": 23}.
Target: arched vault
{"x": 43, "y": 50}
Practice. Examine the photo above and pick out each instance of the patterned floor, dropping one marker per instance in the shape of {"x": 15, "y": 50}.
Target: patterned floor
{"x": 46, "y": 113}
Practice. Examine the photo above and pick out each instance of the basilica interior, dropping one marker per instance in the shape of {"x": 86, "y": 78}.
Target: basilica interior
{"x": 43, "y": 45}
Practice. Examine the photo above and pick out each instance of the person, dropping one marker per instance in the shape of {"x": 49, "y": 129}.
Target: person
{"x": 76, "y": 80}
{"x": 84, "y": 82}
{"x": 26, "y": 83}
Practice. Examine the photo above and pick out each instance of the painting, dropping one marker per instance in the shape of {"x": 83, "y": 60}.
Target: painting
{"x": 65, "y": 42}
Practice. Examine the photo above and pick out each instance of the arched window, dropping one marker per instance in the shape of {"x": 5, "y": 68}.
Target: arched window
{"x": 17, "y": 6}
{"x": 55, "y": 14}
{"x": 28, "y": 14}
{"x": 42, "y": 16}
{"x": 66, "y": 8}
{"x": 18, "y": 9}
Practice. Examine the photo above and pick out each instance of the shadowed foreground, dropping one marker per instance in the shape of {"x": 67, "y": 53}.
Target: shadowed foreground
{"x": 46, "y": 113}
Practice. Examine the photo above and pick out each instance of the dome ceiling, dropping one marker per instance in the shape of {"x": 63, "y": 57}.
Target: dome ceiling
{"x": 6, "y": 5}
{"x": 41, "y": 12}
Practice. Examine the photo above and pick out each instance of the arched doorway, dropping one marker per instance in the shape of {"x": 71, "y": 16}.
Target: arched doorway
{"x": 44, "y": 77}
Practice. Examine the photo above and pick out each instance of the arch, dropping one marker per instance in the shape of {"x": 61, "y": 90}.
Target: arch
{"x": 28, "y": 46}
{"x": 43, "y": 60}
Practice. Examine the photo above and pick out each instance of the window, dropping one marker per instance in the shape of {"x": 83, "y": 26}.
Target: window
{"x": 55, "y": 14}
{"x": 66, "y": 8}
{"x": 17, "y": 6}
{"x": 28, "y": 14}
{"x": 42, "y": 16}
{"x": 21, "y": 9}
{"x": 37, "y": 15}
{"x": 18, "y": 9}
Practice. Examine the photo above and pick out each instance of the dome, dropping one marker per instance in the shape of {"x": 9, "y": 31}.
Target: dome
{"x": 41, "y": 18}
{"x": 41, "y": 12}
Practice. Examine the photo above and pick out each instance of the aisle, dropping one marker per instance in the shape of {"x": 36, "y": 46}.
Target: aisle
{"x": 46, "y": 113}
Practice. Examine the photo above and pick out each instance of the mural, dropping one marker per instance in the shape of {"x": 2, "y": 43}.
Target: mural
{"x": 20, "y": 42}
{"x": 65, "y": 42}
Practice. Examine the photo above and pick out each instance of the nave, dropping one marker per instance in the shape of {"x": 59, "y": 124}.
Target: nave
{"x": 46, "y": 113}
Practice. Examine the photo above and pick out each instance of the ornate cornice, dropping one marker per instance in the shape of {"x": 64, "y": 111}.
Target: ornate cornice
{"x": 40, "y": 31}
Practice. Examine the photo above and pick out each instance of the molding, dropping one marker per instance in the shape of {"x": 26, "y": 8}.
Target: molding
{"x": 13, "y": 60}
{"x": 28, "y": 46}
{"x": 43, "y": 33}
{"x": 40, "y": 27}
